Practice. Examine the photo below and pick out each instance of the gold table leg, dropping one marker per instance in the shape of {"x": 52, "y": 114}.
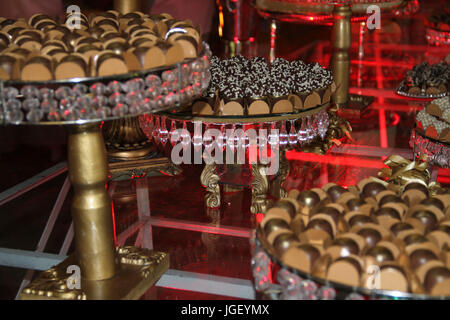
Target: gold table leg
{"x": 284, "y": 172}
{"x": 105, "y": 272}
{"x": 211, "y": 181}
{"x": 126, "y": 6}
{"x": 341, "y": 45}
{"x": 260, "y": 187}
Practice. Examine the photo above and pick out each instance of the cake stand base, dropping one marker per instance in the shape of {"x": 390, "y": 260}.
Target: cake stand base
{"x": 260, "y": 185}
{"x": 356, "y": 104}
{"x": 147, "y": 166}
{"x": 138, "y": 269}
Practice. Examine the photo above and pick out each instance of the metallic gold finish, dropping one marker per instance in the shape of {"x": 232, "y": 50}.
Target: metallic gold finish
{"x": 260, "y": 186}
{"x": 126, "y": 6}
{"x": 124, "y": 170}
{"x": 211, "y": 181}
{"x": 91, "y": 205}
{"x": 277, "y": 185}
{"x": 125, "y": 139}
{"x": 231, "y": 188}
{"x": 138, "y": 269}
{"x": 341, "y": 45}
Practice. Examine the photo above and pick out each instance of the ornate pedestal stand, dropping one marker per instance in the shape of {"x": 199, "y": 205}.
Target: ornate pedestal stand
{"x": 310, "y": 130}
{"x": 98, "y": 269}
{"x": 130, "y": 153}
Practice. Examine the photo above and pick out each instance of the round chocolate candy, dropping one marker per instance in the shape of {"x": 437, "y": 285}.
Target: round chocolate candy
{"x": 433, "y": 202}
{"x": 390, "y": 198}
{"x": 427, "y": 218}
{"x": 274, "y": 224}
{"x": 301, "y": 257}
{"x": 308, "y": 198}
{"x": 437, "y": 281}
{"x": 415, "y": 238}
{"x": 416, "y": 186}
{"x": 355, "y": 204}
{"x": 321, "y": 224}
{"x": 400, "y": 226}
{"x": 371, "y": 236}
{"x": 286, "y": 205}
{"x": 297, "y": 225}
{"x": 346, "y": 270}
{"x": 381, "y": 254}
{"x": 393, "y": 277}
{"x": 335, "y": 192}
{"x": 348, "y": 244}
{"x": 372, "y": 189}
{"x": 359, "y": 220}
{"x": 387, "y": 211}
{"x": 420, "y": 257}
{"x": 282, "y": 242}
{"x": 312, "y": 252}
{"x": 332, "y": 212}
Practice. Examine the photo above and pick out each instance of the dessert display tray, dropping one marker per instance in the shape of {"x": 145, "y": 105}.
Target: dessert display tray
{"x": 340, "y": 291}
{"x": 402, "y": 90}
{"x": 437, "y": 151}
{"x": 244, "y": 119}
{"x": 94, "y": 99}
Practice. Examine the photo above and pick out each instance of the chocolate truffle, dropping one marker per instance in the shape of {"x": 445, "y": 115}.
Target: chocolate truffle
{"x": 371, "y": 236}
{"x": 421, "y": 256}
{"x": 381, "y": 254}
{"x": 386, "y": 211}
{"x": 274, "y": 224}
{"x": 437, "y": 281}
{"x": 400, "y": 226}
{"x": 427, "y": 218}
{"x": 335, "y": 192}
{"x": 371, "y": 189}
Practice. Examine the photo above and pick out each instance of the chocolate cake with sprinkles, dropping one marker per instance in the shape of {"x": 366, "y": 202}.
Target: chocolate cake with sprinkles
{"x": 241, "y": 86}
{"x": 434, "y": 120}
{"x": 428, "y": 79}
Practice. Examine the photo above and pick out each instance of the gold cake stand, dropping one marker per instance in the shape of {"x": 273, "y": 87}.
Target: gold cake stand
{"x": 260, "y": 184}
{"x": 105, "y": 271}
{"x": 340, "y": 15}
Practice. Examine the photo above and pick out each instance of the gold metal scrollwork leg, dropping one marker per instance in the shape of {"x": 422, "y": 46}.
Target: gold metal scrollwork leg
{"x": 284, "y": 172}
{"x": 211, "y": 181}
{"x": 260, "y": 187}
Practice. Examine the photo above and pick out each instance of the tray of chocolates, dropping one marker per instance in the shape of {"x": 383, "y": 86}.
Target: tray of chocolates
{"x": 252, "y": 87}
{"x": 426, "y": 81}
{"x": 431, "y": 135}
{"x": 372, "y": 240}
{"x": 438, "y": 28}
{"x": 434, "y": 120}
{"x": 110, "y": 66}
